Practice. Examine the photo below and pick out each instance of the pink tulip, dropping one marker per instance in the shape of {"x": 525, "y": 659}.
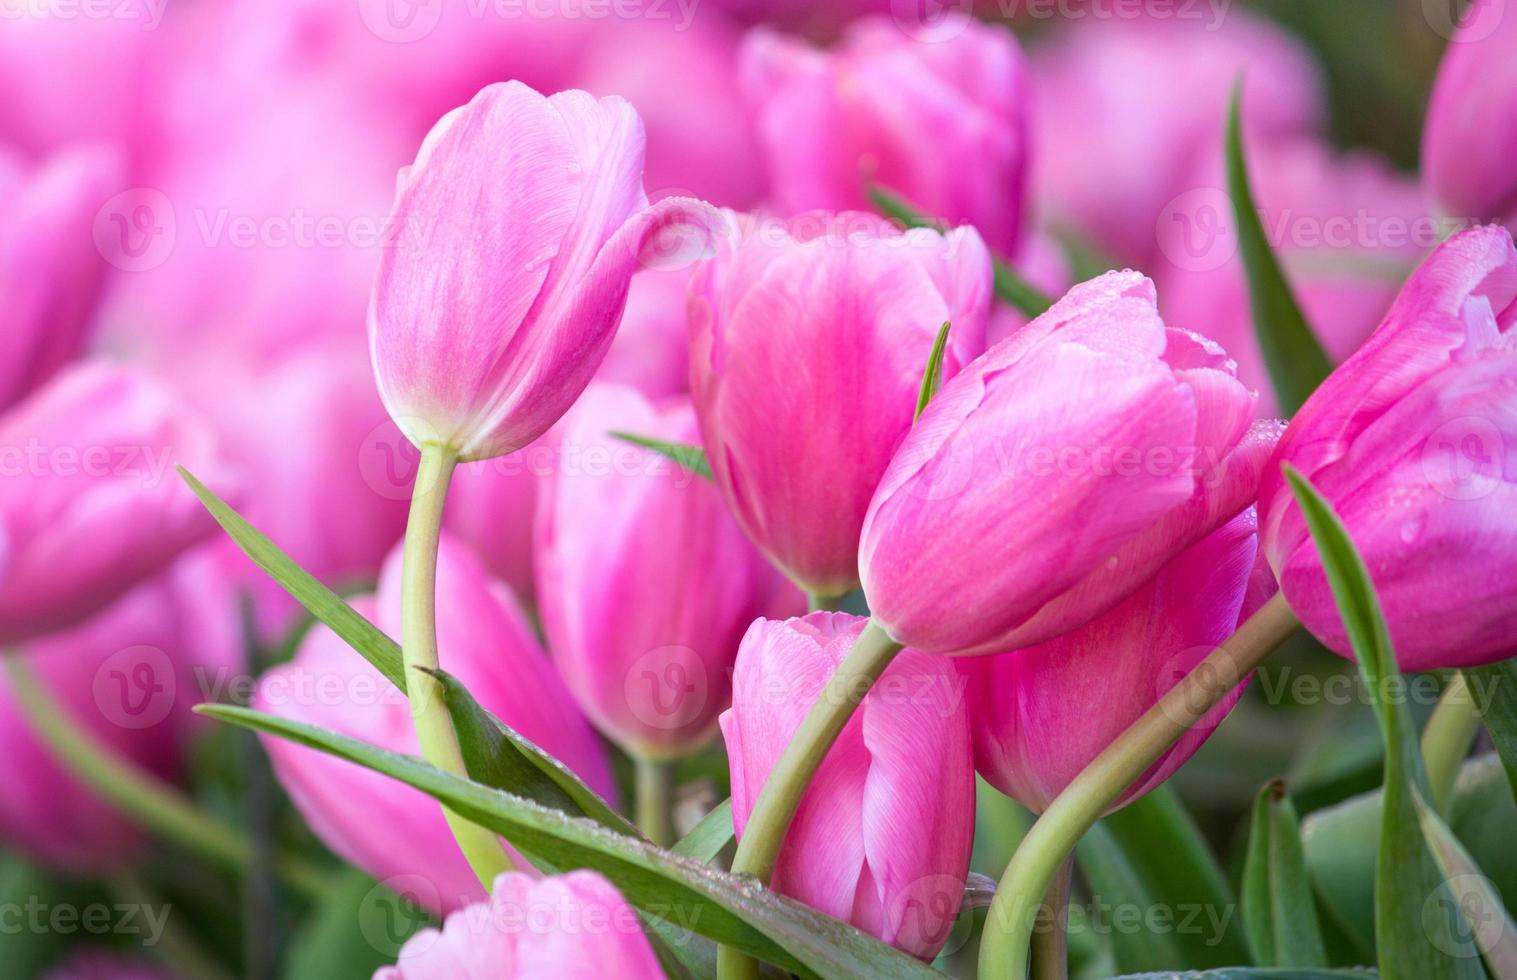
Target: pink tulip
{"x": 647, "y": 584}
{"x": 492, "y": 505}
{"x": 1468, "y": 143}
{"x": 128, "y": 678}
{"x": 808, "y": 343}
{"x": 382, "y": 826}
{"x": 651, "y": 351}
{"x": 573, "y": 927}
{"x": 1153, "y": 95}
{"x": 1041, "y": 714}
{"x": 89, "y": 497}
{"x": 517, "y": 231}
{"x": 1057, "y": 473}
{"x": 50, "y": 270}
{"x": 1347, "y": 228}
{"x": 882, "y": 835}
{"x": 1414, "y": 442}
{"x": 940, "y": 119}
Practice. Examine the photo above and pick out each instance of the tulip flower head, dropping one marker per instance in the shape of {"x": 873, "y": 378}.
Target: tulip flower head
{"x": 516, "y": 232}
{"x": 882, "y": 835}
{"x": 1055, "y": 474}
{"x": 1413, "y": 441}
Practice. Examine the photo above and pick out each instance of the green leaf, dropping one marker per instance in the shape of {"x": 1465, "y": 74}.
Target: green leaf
{"x": 1279, "y": 910}
{"x": 1296, "y": 361}
{"x": 1010, "y": 287}
{"x": 707, "y": 839}
{"x": 692, "y": 458}
{"x": 729, "y": 910}
{"x": 932, "y": 377}
{"x": 326, "y": 605}
{"x": 1150, "y": 855}
{"x": 1405, "y": 875}
{"x": 1498, "y": 709}
{"x": 1474, "y": 897}
{"x": 354, "y": 931}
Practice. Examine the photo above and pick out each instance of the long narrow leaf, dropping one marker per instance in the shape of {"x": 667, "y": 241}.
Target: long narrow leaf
{"x": 1498, "y": 709}
{"x": 729, "y": 910}
{"x": 1296, "y": 361}
{"x": 1405, "y": 874}
{"x": 1474, "y": 896}
{"x": 692, "y": 458}
{"x": 707, "y": 839}
{"x": 1278, "y": 907}
{"x": 932, "y": 375}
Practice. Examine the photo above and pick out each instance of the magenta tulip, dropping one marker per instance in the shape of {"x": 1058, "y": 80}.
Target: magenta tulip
{"x": 128, "y": 678}
{"x": 1153, "y": 94}
{"x": 882, "y": 835}
{"x": 808, "y": 343}
{"x": 50, "y": 269}
{"x": 1057, "y": 473}
{"x": 89, "y": 500}
{"x": 647, "y": 584}
{"x": 940, "y": 119}
{"x": 1468, "y": 142}
{"x": 1041, "y": 714}
{"x": 572, "y": 927}
{"x": 378, "y": 824}
{"x": 1414, "y": 442}
{"x": 516, "y": 233}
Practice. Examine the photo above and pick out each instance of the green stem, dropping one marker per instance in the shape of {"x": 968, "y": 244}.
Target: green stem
{"x": 655, "y": 799}
{"x": 1448, "y": 736}
{"x": 1050, "y": 941}
{"x": 176, "y": 946}
{"x": 775, "y": 807}
{"x": 144, "y": 798}
{"x": 1004, "y": 946}
{"x": 418, "y": 645}
{"x": 815, "y": 602}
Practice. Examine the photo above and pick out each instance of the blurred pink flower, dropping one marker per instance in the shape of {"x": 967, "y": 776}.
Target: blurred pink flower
{"x": 378, "y": 824}
{"x": 129, "y": 678}
{"x": 572, "y": 927}
{"x": 492, "y": 505}
{"x": 808, "y": 343}
{"x": 940, "y": 119}
{"x": 1414, "y": 442}
{"x": 50, "y": 270}
{"x": 651, "y": 351}
{"x": 1127, "y": 108}
{"x": 882, "y": 835}
{"x": 517, "y": 231}
{"x": 1057, "y": 473}
{"x": 89, "y": 499}
{"x": 1041, "y": 714}
{"x": 646, "y": 582}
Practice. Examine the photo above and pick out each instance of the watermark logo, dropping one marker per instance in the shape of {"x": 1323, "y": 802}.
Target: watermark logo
{"x": 135, "y": 687}
{"x": 668, "y": 688}
{"x": 135, "y": 230}
{"x": 395, "y": 910}
{"x": 1463, "y": 457}
{"x": 388, "y": 462}
{"x": 931, "y": 21}
{"x": 401, "y": 21}
{"x": 1464, "y": 21}
{"x": 1196, "y": 231}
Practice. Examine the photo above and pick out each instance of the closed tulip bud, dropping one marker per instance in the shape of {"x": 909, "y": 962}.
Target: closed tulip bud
{"x": 1041, "y": 714}
{"x": 89, "y": 497}
{"x": 516, "y": 232}
{"x": 50, "y": 269}
{"x": 574, "y": 927}
{"x": 129, "y": 678}
{"x": 1468, "y": 141}
{"x": 1413, "y": 440}
{"x": 808, "y": 343}
{"x": 1057, "y": 473}
{"x": 940, "y": 118}
{"x": 883, "y": 833}
{"x": 382, "y": 826}
{"x": 646, "y": 582}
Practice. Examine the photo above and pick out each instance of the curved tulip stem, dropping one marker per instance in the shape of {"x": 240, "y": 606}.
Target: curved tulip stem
{"x": 1050, "y": 938}
{"x": 816, "y": 602}
{"x": 655, "y": 799}
{"x": 759, "y": 846}
{"x": 141, "y": 796}
{"x": 1008, "y": 927}
{"x": 418, "y": 645}
{"x": 1448, "y": 736}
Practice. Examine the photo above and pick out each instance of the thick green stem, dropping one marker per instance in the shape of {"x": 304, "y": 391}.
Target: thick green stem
{"x": 777, "y": 801}
{"x": 1050, "y": 938}
{"x": 655, "y": 799}
{"x": 1448, "y": 736}
{"x": 1004, "y": 946}
{"x": 144, "y": 798}
{"x": 816, "y": 602}
{"x": 418, "y": 644}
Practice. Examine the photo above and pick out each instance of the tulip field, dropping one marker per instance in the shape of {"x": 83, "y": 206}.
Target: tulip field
{"x": 736, "y": 489}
